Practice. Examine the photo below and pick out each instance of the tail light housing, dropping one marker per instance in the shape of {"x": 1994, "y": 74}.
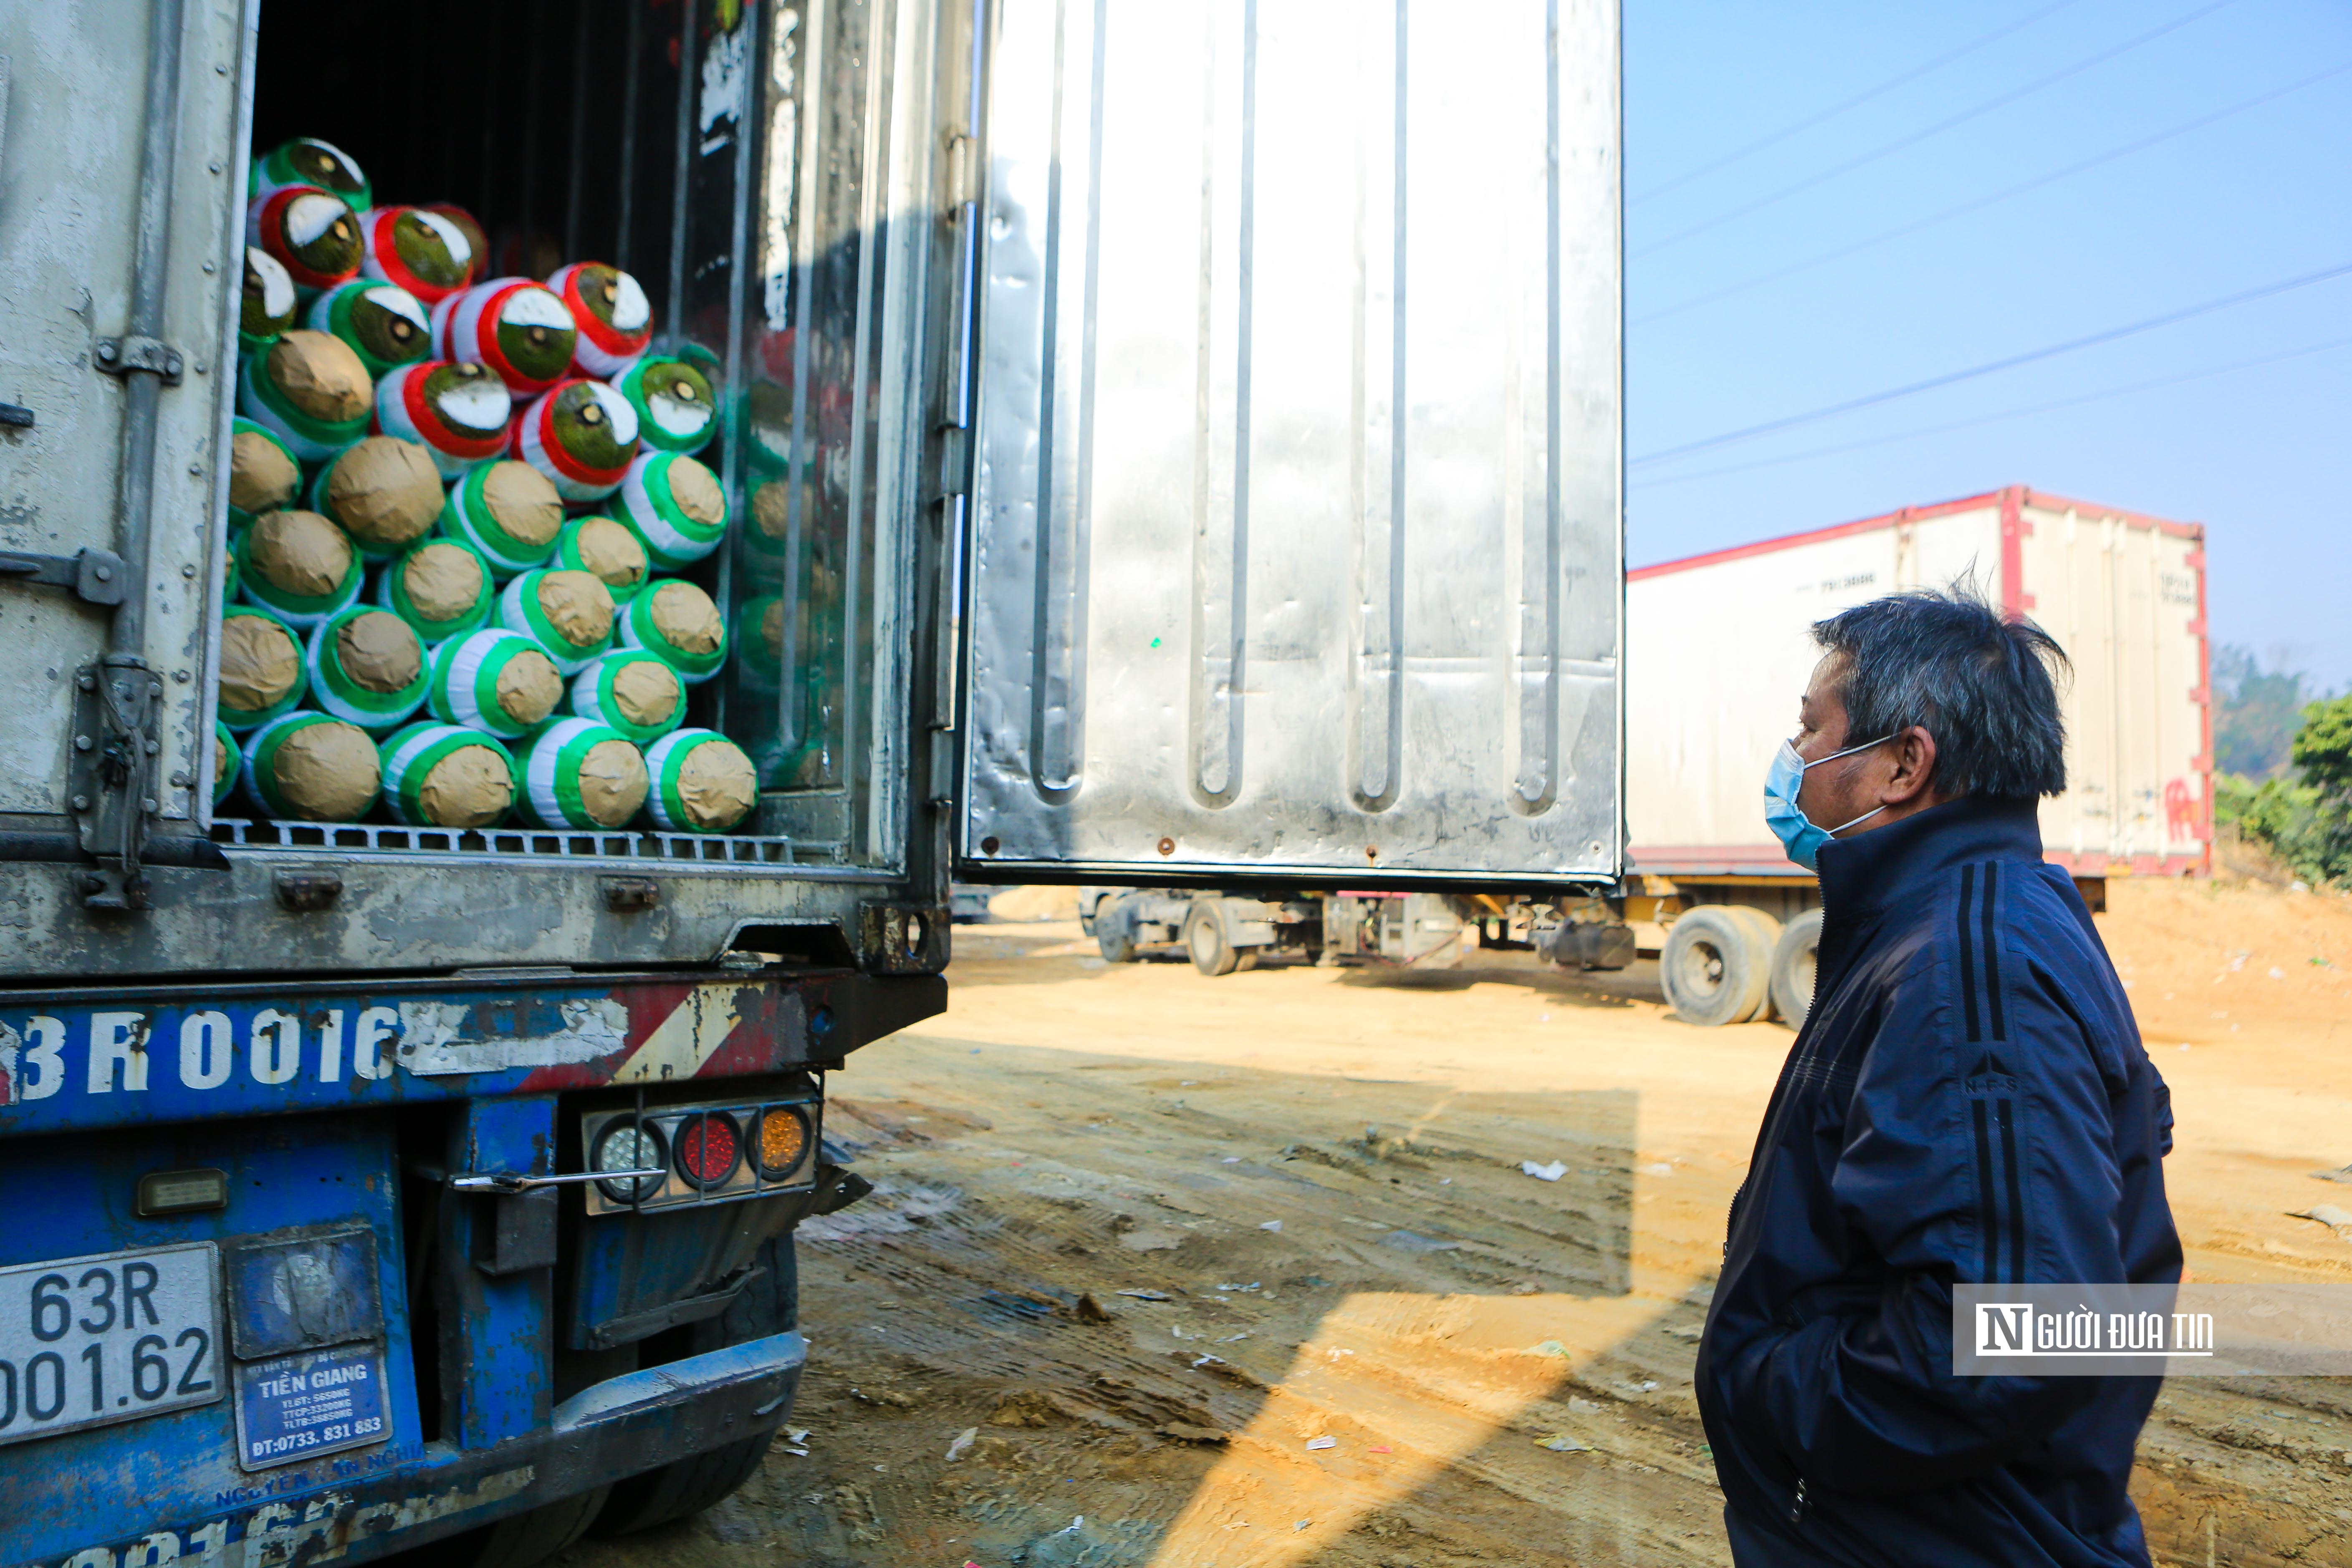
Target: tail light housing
{"x": 719, "y": 1153}
{"x": 709, "y": 1150}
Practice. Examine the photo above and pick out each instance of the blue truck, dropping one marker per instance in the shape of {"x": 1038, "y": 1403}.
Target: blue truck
{"x": 380, "y": 1184}
{"x": 1117, "y": 489}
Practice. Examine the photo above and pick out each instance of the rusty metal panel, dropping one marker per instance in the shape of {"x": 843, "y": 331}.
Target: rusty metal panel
{"x": 1297, "y": 523}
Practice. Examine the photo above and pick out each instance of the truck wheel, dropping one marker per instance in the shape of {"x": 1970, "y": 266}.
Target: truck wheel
{"x": 1792, "y": 968}
{"x": 1204, "y": 939}
{"x": 1765, "y": 931}
{"x": 531, "y": 1536}
{"x": 1117, "y": 940}
{"x": 1767, "y": 937}
{"x": 682, "y": 1488}
{"x": 1715, "y": 966}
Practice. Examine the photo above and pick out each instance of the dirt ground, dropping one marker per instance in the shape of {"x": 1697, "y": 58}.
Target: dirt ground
{"x": 1188, "y": 1273}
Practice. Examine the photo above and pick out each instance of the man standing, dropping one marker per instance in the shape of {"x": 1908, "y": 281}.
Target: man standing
{"x": 1967, "y": 1103}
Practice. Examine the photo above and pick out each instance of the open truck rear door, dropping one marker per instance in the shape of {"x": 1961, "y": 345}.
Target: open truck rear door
{"x": 1296, "y": 540}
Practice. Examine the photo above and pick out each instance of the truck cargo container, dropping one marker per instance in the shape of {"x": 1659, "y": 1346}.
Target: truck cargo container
{"x": 1123, "y": 487}
{"x": 1718, "y": 649}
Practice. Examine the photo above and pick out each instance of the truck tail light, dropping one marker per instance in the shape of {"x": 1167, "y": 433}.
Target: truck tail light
{"x": 670, "y": 1156}
{"x": 629, "y": 1145}
{"x": 783, "y": 1138}
{"x": 709, "y": 1147}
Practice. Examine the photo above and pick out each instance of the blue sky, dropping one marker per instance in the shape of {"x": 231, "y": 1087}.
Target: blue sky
{"x": 2261, "y": 455}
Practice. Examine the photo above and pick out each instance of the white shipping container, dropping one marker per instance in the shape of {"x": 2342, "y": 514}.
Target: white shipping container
{"x": 1718, "y": 650}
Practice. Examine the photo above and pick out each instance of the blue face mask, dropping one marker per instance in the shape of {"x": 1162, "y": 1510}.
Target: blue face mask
{"x": 1799, "y": 837}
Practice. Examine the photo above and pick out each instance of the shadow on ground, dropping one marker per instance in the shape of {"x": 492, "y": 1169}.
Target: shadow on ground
{"x": 1193, "y": 1316}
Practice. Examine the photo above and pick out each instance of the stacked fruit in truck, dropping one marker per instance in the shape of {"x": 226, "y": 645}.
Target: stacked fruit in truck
{"x": 458, "y": 509}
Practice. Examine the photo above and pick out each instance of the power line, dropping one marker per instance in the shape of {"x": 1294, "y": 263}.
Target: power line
{"x": 1991, "y": 418}
{"x": 1979, "y": 203}
{"x": 1859, "y": 98}
{"x": 2010, "y": 362}
{"x": 1937, "y": 129}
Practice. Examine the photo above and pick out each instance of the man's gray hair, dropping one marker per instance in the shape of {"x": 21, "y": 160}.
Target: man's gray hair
{"x": 1983, "y": 684}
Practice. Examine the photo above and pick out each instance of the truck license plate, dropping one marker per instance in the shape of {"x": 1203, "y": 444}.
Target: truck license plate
{"x": 86, "y": 1341}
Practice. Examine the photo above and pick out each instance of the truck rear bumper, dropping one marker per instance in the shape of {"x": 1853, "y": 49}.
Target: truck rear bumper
{"x": 602, "y": 1433}
{"x": 771, "y": 1366}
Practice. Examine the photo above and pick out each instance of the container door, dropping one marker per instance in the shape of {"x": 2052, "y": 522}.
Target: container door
{"x": 113, "y": 114}
{"x": 1295, "y": 545}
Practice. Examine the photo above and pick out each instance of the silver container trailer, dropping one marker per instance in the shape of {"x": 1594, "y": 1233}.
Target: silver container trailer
{"x": 1229, "y": 396}
{"x": 1295, "y": 536}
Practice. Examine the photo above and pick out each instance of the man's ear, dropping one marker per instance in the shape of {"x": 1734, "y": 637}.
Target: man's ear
{"x": 1915, "y": 769}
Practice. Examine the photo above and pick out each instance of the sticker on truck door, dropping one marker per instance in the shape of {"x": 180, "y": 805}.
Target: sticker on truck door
{"x": 85, "y": 1341}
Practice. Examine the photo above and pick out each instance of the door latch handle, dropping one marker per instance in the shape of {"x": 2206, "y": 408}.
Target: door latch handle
{"x": 96, "y": 576}
{"x": 514, "y": 1182}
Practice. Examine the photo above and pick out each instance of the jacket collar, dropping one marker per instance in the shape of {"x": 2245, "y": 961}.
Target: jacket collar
{"x": 1870, "y": 870}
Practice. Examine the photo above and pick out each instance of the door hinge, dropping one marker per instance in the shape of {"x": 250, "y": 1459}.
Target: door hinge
{"x": 111, "y": 775}
{"x": 122, "y": 355}
{"x": 96, "y": 576}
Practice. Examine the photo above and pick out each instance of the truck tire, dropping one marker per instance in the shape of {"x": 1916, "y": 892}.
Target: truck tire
{"x": 518, "y": 1540}
{"x": 1204, "y": 938}
{"x": 1792, "y": 968}
{"x": 1766, "y": 933}
{"x": 1716, "y": 964}
{"x": 682, "y": 1488}
{"x": 1116, "y": 938}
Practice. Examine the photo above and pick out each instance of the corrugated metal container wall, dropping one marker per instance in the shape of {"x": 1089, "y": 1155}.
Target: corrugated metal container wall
{"x": 1296, "y": 540}
{"x": 1717, "y": 651}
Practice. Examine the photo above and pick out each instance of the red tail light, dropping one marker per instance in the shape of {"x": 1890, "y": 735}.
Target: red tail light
{"x": 709, "y": 1147}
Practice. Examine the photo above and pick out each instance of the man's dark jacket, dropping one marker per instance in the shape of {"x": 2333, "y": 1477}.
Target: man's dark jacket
{"x": 1967, "y": 1103}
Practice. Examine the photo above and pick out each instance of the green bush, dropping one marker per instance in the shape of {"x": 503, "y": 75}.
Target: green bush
{"x": 2322, "y": 751}
{"x": 2306, "y": 820}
